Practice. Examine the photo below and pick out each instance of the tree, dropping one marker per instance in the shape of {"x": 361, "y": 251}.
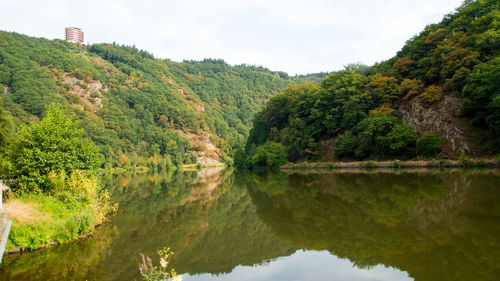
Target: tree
{"x": 482, "y": 95}
{"x": 6, "y": 126}
{"x": 240, "y": 159}
{"x": 401, "y": 141}
{"x": 429, "y": 145}
{"x": 270, "y": 154}
{"x": 345, "y": 145}
{"x": 55, "y": 144}
{"x": 410, "y": 88}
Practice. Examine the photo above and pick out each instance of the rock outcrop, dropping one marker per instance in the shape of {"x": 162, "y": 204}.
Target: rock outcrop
{"x": 441, "y": 118}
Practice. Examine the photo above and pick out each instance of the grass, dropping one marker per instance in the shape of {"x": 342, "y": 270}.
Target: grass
{"x": 41, "y": 219}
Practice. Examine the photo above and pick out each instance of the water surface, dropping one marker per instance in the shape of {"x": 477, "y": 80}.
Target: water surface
{"x": 383, "y": 225}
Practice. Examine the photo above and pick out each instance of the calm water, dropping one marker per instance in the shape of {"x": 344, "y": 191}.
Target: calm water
{"x": 290, "y": 226}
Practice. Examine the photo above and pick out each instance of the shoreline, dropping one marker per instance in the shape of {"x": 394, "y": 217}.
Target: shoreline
{"x": 16, "y": 251}
{"x": 396, "y": 164}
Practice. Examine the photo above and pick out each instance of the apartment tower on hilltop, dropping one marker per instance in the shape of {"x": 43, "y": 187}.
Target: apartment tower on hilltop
{"x": 74, "y": 34}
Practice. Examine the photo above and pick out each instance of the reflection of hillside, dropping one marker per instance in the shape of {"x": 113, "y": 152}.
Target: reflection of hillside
{"x": 206, "y": 182}
{"x": 435, "y": 226}
{"x": 73, "y": 261}
{"x": 211, "y": 229}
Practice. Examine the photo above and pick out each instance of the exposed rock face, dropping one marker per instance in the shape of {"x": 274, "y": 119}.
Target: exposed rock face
{"x": 442, "y": 119}
{"x": 90, "y": 95}
{"x": 207, "y": 152}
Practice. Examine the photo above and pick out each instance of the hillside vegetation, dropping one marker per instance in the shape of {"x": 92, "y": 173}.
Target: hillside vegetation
{"x": 139, "y": 110}
{"x": 441, "y": 91}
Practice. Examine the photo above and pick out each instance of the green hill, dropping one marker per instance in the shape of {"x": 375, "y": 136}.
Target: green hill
{"x": 439, "y": 96}
{"x": 133, "y": 105}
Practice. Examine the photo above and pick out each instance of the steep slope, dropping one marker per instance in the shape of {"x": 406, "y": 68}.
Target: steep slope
{"x": 441, "y": 92}
{"x": 133, "y": 105}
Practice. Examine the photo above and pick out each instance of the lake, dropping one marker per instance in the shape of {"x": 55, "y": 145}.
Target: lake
{"x": 317, "y": 225}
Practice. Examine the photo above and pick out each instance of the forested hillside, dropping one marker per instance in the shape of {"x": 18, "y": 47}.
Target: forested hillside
{"x": 132, "y": 105}
{"x": 439, "y": 96}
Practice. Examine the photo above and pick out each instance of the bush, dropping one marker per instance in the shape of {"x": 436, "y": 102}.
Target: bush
{"x": 270, "y": 154}
{"x": 401, "y": 141}
{"x": 55, "y": 144}
{"x": 432, "y": 93}
{"x": 429, "y": 145}
{"x": 464, "y": 161}
{"x": 345, "y": 145}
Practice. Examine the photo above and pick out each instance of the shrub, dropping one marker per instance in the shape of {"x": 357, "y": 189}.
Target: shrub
{"x": 345, "y": 145}
{"x": 54, "y": 144}
{"x": 464, "y": 160}
{"x": 401, "y": 141}
{"x": 429, "y": 145}
{"x": 270, "y": 154}
{"x": 432, "y": 93}
{"x": 410, "y": 88}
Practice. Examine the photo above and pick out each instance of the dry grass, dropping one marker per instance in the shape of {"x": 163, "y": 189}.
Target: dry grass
{"x": 23, "y": 211}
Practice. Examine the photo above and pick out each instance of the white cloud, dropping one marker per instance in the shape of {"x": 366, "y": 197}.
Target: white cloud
{"x": 295, "y": 36}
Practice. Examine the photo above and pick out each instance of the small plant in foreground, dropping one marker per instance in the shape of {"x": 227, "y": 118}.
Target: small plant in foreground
{"x": 464, "y": 160}
{"x": 155, "y": 273}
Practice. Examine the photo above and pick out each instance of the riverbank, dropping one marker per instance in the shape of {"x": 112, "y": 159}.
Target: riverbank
{"x": 199, "y": 166}
{"x": 396, "y": 164}
{"x": 40, "y": 220}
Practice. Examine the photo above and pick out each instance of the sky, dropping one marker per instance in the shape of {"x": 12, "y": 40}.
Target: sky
{"x": 294, "y": 36}
{"x": 306, "y": 266}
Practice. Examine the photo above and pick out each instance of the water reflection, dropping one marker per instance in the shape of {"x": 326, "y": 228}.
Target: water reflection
{"x": 225, "y": 226}
{"x": 307, "y": 266}
{"x": 435, "y": 226}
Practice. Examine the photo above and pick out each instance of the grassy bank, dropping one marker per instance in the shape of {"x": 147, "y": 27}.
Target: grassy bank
{"x": 56, "y": 194}
{"x": 40, "y": 220}
{"x": 74, "y": 207}
{"x": 396, "y": 164}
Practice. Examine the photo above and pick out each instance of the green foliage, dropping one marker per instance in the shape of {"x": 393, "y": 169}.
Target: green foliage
{"x": 142, "y": 103}
{"x": 401, "y": 141}
{"x": 55, "y": 144}
{"x": 6, "y": 127}
{"x": 270, "y": 154}
{"x": 482, "y": 95}
{"x": 345, "y": 145}
{"x": 431, "y": 94}
{"x": 451, "y": 57}
{"x": 61, "y": 220}
{"x": 240, "y": 159}
{"x": 429, "y": 145}
{"x": 410, "y": 87}
{"x": 464, "y": 161}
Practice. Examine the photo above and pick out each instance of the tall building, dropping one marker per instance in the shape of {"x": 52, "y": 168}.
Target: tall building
{"x": 74, "y": 34}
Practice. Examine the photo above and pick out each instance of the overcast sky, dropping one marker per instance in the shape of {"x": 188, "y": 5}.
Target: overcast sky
{"x": 293, "y": 36}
